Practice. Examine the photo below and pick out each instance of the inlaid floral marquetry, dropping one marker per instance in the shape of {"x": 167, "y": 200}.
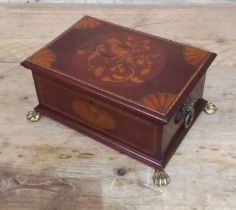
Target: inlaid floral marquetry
{"x": 122, "y": 59}
{"x": 158, "y": 101}
{"x": 135, "y": 67}
{"x": 193, "y": 55}
{"x": 44, "y": 57}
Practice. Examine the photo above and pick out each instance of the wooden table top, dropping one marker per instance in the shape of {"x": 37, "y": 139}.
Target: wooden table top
{"x": 48, "y": 166}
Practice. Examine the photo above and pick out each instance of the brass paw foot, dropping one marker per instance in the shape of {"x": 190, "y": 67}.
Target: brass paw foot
{"x": 161, "y": 178}
{"x": 210, "y": 108}
{"x": 33, "y": 116}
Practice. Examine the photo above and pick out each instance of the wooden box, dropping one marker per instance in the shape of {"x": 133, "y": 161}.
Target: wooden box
{"x": 135, "y": 92}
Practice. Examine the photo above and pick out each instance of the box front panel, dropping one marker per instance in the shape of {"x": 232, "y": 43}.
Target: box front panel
{"x": 100, "y": 116}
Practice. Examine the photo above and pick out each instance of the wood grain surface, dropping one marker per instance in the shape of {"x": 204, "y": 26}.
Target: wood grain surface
{"x": 47, "y": 166}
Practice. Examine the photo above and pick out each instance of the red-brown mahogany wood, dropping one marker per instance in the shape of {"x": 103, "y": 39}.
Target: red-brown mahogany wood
{"x": 122, "y": 87}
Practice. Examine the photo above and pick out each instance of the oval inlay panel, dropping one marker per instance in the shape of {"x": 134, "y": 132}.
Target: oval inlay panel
{"x": 93, "y": 114}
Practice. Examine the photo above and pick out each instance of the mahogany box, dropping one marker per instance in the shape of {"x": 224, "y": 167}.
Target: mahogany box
{"x": 133, "y": 91}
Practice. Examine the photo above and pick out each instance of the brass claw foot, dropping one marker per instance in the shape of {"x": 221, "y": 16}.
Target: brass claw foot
{"x": 33, "y": 116}
{"x": 210, "y": 108}
{"x": 161, "y": 178}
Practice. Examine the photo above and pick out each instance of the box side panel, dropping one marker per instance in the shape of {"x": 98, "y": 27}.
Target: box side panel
{"x": 89, "y": 110}
{"x": 34, "y": 75}
{"x": 170, "y": 129}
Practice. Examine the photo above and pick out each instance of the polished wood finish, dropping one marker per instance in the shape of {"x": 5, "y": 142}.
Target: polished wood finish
{"x": 33, "y": 176}
{"x": 120, "y": 86}
{"x": 143, "y": 72}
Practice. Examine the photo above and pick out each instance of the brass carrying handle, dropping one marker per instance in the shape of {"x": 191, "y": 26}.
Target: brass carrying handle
{"x": 189, "y": 118}
{"x": 186, "y": 114}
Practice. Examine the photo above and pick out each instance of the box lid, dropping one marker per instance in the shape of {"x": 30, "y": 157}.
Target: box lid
{"x": 145, "y": 73}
